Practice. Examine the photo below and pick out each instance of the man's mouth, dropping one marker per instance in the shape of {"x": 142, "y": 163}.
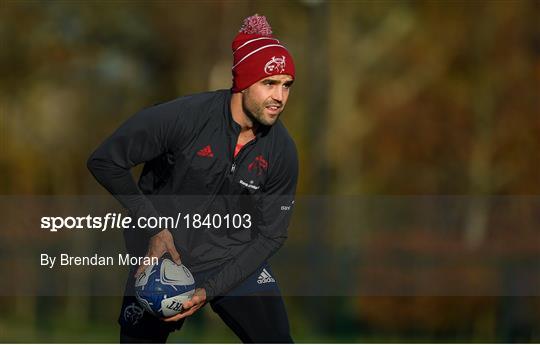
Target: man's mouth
{"x": 273, "y": 107}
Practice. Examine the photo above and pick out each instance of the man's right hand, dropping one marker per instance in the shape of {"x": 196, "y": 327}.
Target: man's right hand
{"x": 159, "y": 244}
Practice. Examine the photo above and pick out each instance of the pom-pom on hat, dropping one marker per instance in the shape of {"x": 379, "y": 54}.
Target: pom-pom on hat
{"x": 257, "y": 54}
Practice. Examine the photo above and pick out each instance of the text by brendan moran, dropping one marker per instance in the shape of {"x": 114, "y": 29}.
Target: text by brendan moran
{"x": 96, "y": 260}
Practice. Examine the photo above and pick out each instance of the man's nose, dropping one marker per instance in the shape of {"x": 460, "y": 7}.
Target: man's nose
{"x": 277, "y": 95}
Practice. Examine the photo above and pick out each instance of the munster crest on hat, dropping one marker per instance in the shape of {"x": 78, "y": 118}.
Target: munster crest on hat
{"x": 275, "y": 65}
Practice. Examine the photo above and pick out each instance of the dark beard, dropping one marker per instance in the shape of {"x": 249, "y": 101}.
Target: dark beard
{"x": 252, "y": 117}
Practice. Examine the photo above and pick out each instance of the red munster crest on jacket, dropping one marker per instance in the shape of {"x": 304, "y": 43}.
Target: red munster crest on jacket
{"x": 259, "y": 165}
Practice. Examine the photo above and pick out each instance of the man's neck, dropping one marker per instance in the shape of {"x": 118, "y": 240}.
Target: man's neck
{"x": 247, "y": 126}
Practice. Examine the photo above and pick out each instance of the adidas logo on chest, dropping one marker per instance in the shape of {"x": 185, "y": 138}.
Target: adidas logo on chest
{"x": 205, "y": 152}
{"x": 265, "y": 277}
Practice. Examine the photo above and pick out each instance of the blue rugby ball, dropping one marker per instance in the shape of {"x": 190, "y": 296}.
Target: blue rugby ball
{"x": 162, "y": 288}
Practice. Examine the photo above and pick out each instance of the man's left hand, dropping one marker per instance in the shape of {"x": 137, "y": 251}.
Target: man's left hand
{"x": 190, "y": 306}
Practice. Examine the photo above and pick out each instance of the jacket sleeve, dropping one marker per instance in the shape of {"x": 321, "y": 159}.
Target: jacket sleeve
{"x": 146, "y": 135}
{"x": 275, "y": 210}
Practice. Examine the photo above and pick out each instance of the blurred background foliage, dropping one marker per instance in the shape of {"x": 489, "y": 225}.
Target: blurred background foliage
{"x": 391, "y": 98}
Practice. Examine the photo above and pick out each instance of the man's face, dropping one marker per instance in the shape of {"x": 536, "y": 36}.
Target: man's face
{"x": 264, "y": 101}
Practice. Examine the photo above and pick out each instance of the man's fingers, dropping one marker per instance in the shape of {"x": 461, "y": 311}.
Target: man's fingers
{"x": 195, "y": 301}
{"x": 194, "y": 309}
{"x": 174, "y": 253}
{"x": 140, "y": 270}
{"x": 143, "y": 266}
{"x": 175, "y": 317}
{"x": 189, "y": 307}
{"x": 187, "y": 304}
{"x": 182, "y": 315}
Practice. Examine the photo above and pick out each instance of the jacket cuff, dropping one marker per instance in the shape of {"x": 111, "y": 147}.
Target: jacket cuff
{"x": 210, "y": 294}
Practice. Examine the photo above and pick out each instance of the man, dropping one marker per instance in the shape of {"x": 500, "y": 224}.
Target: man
{"x": 218, "y": 153}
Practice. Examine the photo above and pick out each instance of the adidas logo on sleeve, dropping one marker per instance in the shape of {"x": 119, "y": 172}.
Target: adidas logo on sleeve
{"x": 265, "y": 277}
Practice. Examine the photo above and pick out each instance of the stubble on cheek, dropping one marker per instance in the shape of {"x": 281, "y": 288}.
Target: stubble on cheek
{"x": 252, "y": 110}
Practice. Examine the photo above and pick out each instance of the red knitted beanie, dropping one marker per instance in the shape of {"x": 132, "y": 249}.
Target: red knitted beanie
{"x": 257, "y": 54}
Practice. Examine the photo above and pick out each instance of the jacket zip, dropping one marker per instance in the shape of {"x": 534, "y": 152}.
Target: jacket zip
{"x": 232, "y": 171}
{"x": 235, "y": 159}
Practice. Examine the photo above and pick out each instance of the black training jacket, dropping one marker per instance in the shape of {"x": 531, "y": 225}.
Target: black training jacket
{"x": 187, "y": 146}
